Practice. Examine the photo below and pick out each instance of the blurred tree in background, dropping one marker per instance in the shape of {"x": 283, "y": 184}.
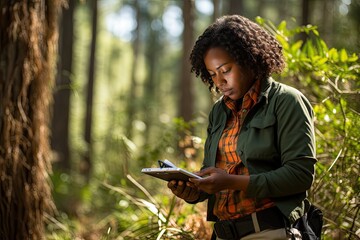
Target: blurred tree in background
{"x": 144, "y": 105}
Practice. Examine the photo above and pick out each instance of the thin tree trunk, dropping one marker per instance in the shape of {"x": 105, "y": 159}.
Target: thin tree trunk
{"x": 87, "y": 166}
{"x": 133, "y": 85}
{"x": 28, "y": 40}
{"x": 305, "y": 16}
{"x": 152, "y": 53}
{"x": 61, "y": 109}
{"x": 236, "y": 7}
{"x": 326, "y": 20}
{"x": 216, "y": 13}
{"x": 186, "y": 84}
{"x": 261, "y": 8}
{"x": 283, "y": 10}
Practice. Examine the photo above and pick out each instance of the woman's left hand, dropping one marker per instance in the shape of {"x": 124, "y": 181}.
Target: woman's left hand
{"x": 214, "y": 180}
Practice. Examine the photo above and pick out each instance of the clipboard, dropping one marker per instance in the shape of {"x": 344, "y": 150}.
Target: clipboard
{"x": 168, "y": 171}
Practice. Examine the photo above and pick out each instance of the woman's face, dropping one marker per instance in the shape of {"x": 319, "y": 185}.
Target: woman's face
{"x": 229, "y": 77}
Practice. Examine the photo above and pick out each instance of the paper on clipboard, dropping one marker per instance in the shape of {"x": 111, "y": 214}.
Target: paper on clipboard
{"x": 168, "y": 171}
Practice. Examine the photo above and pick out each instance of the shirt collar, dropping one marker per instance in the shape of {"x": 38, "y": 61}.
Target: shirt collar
{"x": 253, "y": 93}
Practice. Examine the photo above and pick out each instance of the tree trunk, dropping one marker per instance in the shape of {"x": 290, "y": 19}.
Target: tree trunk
{"x": 61, "y": 109}
{"x": 283, "y": 10}
{"x": 28, "y": 43}
{"x": 133, "y": 85}
{"x": 236, "y": 7}
{"x": 186, "y": 84}
{"x": 152, "y": 55}
{"x": 327, "y": 21}
{"x": 305, "y": 17}
{"x": 261, "y": 8}
{"x": 217, "y": 11}
{"x": 87, "y": 163}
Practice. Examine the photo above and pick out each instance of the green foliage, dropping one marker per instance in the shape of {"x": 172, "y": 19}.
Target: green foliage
{"x": 143, "y": 216}
{"x": 330, "y": 79}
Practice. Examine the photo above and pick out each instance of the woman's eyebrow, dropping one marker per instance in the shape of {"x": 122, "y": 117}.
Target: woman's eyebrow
{"x": 217, "y": 68}
{"x": 222, "y": 65}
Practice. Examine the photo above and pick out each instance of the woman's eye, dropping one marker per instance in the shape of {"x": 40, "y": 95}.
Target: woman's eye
{"x": 226, "y": 71}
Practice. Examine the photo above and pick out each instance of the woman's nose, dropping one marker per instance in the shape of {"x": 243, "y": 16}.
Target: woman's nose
{"x": 220, "y": 80}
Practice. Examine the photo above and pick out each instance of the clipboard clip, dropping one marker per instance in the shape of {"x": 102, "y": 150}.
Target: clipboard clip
{"x": 163, "y": 164}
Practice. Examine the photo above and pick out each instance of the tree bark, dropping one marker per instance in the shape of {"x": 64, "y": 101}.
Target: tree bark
{"x": 28, "y": 43}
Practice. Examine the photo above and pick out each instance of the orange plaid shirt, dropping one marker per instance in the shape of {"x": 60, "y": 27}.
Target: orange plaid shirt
{"x": 233, "y": 204}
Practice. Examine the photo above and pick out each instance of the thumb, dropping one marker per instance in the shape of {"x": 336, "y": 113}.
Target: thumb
{"x": 194, "y": 181}
{"x": 206, "y": 171}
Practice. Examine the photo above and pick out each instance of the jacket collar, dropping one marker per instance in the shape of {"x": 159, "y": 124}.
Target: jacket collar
{"x": 265, "y": 89}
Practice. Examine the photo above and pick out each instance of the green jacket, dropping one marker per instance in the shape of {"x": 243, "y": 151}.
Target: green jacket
{"x": 276, "y": 144}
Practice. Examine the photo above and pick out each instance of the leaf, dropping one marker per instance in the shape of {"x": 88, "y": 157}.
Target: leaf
{"x": 321, "y": 61}
{"x": 333, "y": 54}
{"x": 260, "y": 20}
{"x": 353, "y": 58}
{"x": 309, "y": 49}
{"x": 296, "y": 46}
{"x": 282, "y": 26}
{"x": 343, "y": 55}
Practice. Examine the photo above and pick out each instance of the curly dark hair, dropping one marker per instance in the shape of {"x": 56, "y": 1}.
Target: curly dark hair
{"x": 249, "y": 44}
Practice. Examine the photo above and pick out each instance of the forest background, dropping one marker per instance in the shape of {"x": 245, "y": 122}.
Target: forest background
{"x": 124, "y": 97}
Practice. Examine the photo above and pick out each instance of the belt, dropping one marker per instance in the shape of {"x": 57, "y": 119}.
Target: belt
{"x": 270, "y": 218}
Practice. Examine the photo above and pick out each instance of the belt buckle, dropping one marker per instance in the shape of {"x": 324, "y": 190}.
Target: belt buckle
{"x": 226, "y": 229}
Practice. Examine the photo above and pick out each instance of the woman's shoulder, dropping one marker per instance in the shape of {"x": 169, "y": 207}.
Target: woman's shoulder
{"x": 288, "y": 98}
{"x": 286, "y": 92}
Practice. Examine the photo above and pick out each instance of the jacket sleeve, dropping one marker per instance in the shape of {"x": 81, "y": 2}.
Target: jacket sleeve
{"x": 296, "y": 149}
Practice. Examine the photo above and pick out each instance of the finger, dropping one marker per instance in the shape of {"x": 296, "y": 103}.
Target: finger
{"x": 180, "y": 187}
{"x": 194, "y": 181}
{"x": 186, "y": 192}
{"x": 172, "y": 184}
{"x": 206, "y": 171}
{"x": 190, "y": 184}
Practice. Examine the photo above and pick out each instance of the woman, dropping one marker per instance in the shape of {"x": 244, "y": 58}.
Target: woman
{"x": 260, "y": 149}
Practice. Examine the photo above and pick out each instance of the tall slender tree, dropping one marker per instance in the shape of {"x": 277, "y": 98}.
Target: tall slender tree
{"x": 305, "y": 16}
{"x": 87, "y": 162}
{"x": 133, "y": 85}
{"x": 28, "y": 40}
{"x": 217, "y": 12}
{"x": 61, "y": 109}
{"x": 186, "y": 102}
{"x": 236, "y": 7}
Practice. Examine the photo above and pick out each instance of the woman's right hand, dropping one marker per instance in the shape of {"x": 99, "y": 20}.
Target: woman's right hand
{"x": 184, "y": 190}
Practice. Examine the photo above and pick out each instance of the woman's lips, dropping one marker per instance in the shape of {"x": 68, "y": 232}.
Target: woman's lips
{"x": 226, "y": 91}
